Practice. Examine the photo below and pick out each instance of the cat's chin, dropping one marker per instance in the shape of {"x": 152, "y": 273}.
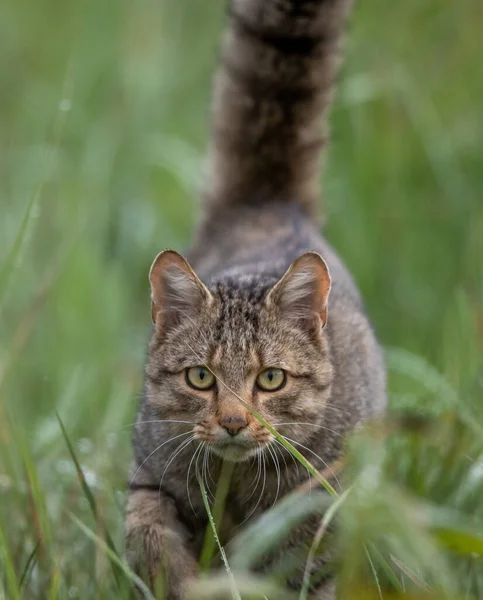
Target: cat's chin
{"x": 235, "y": 452}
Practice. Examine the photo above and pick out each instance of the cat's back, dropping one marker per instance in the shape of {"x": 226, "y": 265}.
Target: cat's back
{"x": 263, "y": 242}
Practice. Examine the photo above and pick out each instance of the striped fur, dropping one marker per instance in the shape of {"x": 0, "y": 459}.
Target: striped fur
{"x": 271, "y": 99}
{"x": 255, "y": 294}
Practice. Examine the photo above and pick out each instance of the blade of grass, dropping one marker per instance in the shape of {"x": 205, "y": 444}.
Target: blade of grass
{"x": 90, "y": 496}
{"x": 20, "y": 241}
{"x": 250, "y": 546}
{"x": 26, "y": 325}
{"x": 388, "y": 571}
{"x": 325, "y": 522}
{"x": 374, "y": 572}
{"x": 55, "y": 581}
{"x": 235, "y": 592}
{"x": 410, "y": 574}
{"x": 218, "y": 508}
{"x": 217, "y": 587}
{"x": 122, "y": 565}
{"x": 37, "y": 501}
{"x": 8, "y": 567}
{"x": 30, "y": 562}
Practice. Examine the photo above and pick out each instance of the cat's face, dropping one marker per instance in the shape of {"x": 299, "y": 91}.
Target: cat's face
{"x": 249, "y": 345}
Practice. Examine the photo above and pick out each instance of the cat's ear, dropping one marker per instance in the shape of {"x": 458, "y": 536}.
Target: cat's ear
{"x": 176, "y": 290}
{"x": 303, "y": 291}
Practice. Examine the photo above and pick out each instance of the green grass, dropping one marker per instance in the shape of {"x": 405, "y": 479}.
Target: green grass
{"x": 103, "y": 126}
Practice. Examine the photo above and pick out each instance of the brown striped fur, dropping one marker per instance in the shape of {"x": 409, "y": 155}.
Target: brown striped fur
{"x": 271, "y": 97}
{"x": 255, "y": 294}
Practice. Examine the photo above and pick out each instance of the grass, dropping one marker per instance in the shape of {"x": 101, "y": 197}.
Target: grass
{"x": 103, "y": 126}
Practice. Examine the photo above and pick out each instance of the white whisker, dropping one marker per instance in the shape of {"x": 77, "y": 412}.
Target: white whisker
{"x": 204, "y": 475}
{"x": 195, "y": 453}
{"x": 155, "y": 450}
{"x": 311, "y": 425}
{"x": 178, "y": 450}
{"x": 210, "y": 477}
{"x": 317, "y": 456}
{"x": 261, "y": 493}
{"x": 275, "y": 448}
{"x": 277, "y": 469}
{"x": 296, "y": 462}
{"x": 159, "y": 421}
{"x": 256, "y": 479}
{"x": 196, "y": 462}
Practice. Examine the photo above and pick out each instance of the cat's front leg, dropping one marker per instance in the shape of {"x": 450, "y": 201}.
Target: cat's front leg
{"x": 158, "y": 544}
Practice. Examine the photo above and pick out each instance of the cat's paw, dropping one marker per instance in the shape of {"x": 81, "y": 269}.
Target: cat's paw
{"x": 158, "y": 556}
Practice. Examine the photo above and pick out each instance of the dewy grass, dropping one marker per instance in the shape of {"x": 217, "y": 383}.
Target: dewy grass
{"x": 122, "y": 566}
{"x": 91, "y": 500}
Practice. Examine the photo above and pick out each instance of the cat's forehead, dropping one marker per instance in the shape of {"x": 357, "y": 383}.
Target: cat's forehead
{"x": 240, "y": 309}
{"x": 246, "y": 334}
{"x": 237, "y": 331}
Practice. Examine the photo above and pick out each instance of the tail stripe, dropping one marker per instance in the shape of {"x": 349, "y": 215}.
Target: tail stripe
{"x": 271, "y": 97}
{"x": 302, "y": 44}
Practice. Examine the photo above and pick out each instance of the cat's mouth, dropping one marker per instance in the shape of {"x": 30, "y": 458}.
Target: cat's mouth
{"x": 236, "y": 450}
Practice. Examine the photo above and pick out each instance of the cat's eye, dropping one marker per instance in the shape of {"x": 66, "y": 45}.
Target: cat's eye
{"x": 200, "y": 378}
{"x": 271, "y": 380}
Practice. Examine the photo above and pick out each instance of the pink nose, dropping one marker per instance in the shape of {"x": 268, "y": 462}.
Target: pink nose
{"x": 233, "y": 424}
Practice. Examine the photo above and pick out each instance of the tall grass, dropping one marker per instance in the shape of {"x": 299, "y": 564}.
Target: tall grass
{"x": 103, "y": 125}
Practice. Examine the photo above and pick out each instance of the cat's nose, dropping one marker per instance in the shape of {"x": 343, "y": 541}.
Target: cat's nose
{"x": 233, "y": 424}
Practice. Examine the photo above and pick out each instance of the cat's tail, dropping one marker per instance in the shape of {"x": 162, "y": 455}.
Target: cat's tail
{"x": 271, "y": 97}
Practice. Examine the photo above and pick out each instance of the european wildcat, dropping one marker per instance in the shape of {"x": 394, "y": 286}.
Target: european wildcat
{"x": 258, "y": 328}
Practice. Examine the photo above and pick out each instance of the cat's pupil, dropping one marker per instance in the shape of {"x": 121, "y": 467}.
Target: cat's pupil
{"x": 270, "y": 376}
{"x": 201, "y": 374}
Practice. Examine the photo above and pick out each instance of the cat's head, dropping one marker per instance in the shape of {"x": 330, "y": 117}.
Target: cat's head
{"x": 253, "y": 343}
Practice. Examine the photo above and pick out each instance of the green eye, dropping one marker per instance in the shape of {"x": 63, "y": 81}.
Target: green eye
{"x": 271, "y": 380}
{"x": 200, "y": 378}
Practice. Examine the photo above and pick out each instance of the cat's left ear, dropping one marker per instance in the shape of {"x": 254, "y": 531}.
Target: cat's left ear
{"x": 176, "y": 291}
{"x": 303, "y": 291}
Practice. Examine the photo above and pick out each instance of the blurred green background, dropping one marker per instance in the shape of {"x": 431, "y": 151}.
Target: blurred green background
{"x": 104, "y": 110}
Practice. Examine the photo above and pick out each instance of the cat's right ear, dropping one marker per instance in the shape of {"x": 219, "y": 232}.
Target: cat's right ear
{"x": 176, "y": 290}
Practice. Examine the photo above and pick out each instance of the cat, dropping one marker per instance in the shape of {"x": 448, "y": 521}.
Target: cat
{"x": 262, "y": 314}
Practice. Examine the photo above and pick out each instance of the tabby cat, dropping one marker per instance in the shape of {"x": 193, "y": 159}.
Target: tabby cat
{"x": 247, "y": 323}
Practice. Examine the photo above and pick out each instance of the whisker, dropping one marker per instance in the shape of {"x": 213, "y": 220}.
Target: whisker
{"x": 204, "y": 477}
{"x": 275, "y": 448}
{"x": 296, "y": 462}
{"x": 336, "y": 408}
{"x": 311, "y": 425}
{"x": 261, "y": 493}
{"x": 258, "y": 474}
{"x": 155, "y": 450}
{"x": 158, "y": 421}
{"x": 317, "y": 456}
{"x": 195, "y": 453}
{"x": 277, "y": 469}
{"x": 184, "y": 444}
{"x": 196, "y": 462}
{"x": 208, "y": 450}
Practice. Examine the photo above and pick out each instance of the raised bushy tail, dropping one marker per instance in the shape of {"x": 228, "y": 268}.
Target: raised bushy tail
{"x": 271, "y": 97}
